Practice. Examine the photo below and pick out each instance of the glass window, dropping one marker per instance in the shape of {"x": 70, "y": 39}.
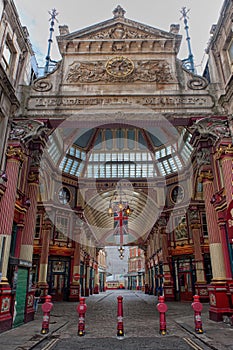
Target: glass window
{"x": 72, "y": 151}
{"x": 230, "y": 52}
{"x": 64, "y": 195}
{"x": 131, "y": 139}
{"x": 109, "y": 139}
{"x": 6, "y": 57}
{"x": 120, "y": 139}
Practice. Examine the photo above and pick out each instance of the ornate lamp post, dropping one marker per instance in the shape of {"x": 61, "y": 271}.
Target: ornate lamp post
{"x": 120, "y": 210}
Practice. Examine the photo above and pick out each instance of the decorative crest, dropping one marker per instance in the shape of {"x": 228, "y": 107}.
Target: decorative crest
{"x": 118, "y": 12}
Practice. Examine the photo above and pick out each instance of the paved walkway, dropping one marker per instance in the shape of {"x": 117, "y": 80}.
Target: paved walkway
{"x": 141, "y": 326}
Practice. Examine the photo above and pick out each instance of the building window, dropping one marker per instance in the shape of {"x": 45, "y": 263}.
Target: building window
{"x": 8, "y": 57}
{"x": 38, "y": 227}
{"x": 64, "y": 195}
{"x": 61, "y": 228}
{"x": 230, "y": 54}
{"x": 204, "y": 225}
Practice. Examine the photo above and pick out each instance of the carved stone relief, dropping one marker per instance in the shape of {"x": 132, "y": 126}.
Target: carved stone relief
{"x": 203, "y": 157}
{"x": 42, "y": 85}
{"x": 121, "y": 32}
{"x": 212, "y": 127}
{"x": 148, "y": 71}
{"x": 197, "y": 83}
{"x": 25, "y": 129}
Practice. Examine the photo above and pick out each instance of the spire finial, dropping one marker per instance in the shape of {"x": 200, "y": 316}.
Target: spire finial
{"x": 188, "y": 62}
{"x": 53, "y": 15}
{"x": 118, "y": 12}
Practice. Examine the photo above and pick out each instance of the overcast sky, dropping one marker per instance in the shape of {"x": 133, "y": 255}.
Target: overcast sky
{"x": 157, "y": 13}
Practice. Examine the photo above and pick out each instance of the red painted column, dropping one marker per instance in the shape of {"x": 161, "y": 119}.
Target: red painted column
{"x": 20, "y": 227}
{"x": 226, "y": 162}
{"x": 219, "y": 303}
{"x": 96, "y": 269}
{"x": 14, "y": 159}
{"x": 168, "y": 280}
{"x": 75, "y": 284}
{"x": 26, "y": 251}
{"x": 46, "y": 232}
{"x": 200, "y": 285}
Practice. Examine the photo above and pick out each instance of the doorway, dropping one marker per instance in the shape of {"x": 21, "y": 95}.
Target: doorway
{"x": 58, "y": 278}
{"x": 185, "y": 277}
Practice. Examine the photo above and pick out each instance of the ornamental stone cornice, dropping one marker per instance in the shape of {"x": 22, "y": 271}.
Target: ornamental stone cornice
{"x": 15, "y": 153}
{"x": 212, "y": 127}
{"x": 225, "y": 152}
{"x": 26, "y": 130}
{"x": 206, "y": 176}
{"x": 33, "y": 177}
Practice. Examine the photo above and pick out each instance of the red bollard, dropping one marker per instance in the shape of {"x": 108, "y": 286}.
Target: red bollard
{"x": 46, "y": 308}
{"x": 81, "y": 309}
{"x": 120, "y": 327}
{"x": 197, "y": 307}
{"x": 162, "y": 308}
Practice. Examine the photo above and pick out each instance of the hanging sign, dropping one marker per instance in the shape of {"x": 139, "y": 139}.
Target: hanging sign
{"x": 230, "y": 222}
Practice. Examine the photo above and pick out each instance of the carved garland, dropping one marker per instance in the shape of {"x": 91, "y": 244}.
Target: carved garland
{"x": 147, "y": 71}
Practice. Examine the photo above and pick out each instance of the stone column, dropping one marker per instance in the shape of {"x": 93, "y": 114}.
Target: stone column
{"x": 217, "y": 288}
{"x": 14, "y": 159}
{"x": 46, "y": 232}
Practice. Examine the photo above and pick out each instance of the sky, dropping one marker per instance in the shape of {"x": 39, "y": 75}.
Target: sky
{"x": 156, "y": 13}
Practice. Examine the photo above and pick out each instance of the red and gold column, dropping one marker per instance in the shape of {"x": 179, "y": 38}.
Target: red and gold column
{"x": 75, "y": 284}
{"x": 217, "y": 288}
{"x": 168, "y": 281}
{"x": 96, "y": 269}
{"x": 225, "y": 156}
{"x": 14, "y": 159}
{"x": 26, "y": 251}
{"x": 46, "y": 233}
{"x": 200, "y": 285}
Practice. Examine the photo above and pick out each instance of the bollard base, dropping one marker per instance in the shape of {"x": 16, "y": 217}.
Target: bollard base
{"x": 163, "y": 332}
{"x": 120, "y": 333}
{"x": 199, "y": 331}
{"x": 81, "y": 333}
{"x": 44, "y": 331}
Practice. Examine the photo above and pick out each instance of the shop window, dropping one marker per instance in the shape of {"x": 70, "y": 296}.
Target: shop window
{"x": 204, "y": 225}
{"x": 38, "y": 227}
{"x": 61, "y": 228}
{"x": 180, "y": 228}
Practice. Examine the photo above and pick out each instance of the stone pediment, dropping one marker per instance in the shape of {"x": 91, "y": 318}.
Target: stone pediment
{"x": 119, "y": 28}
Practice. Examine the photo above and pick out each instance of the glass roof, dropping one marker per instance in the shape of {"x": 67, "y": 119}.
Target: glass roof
{"x": 124, "y": 153}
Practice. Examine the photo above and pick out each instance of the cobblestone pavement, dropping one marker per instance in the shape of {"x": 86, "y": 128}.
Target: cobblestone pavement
{"x": 141, "y": 327}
